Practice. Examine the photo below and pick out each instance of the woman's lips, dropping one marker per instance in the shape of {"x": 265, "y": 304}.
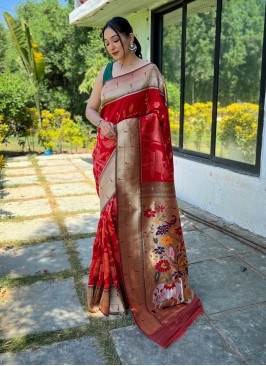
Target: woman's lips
{"x": 115, "y": 53}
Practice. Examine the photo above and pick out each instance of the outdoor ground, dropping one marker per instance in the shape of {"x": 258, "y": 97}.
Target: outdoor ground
{"x": 48, "y": 219}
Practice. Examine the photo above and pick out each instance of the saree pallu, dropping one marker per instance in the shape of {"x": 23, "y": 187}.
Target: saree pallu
{"x": 139, "y": 256}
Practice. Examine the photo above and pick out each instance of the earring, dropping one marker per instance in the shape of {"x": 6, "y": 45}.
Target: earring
{"x": 133, "y": 48}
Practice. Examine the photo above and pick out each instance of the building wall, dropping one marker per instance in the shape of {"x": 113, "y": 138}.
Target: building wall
{"x": 235, "y": 197}
{"x": 141, "y": 27}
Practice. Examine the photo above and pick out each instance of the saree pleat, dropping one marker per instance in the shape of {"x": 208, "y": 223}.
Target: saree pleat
{"x": 139, "y": 248}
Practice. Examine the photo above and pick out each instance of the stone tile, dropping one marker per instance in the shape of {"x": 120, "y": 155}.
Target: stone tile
{"x": 72, "y": 188}
{"x": 183, "y": 204}
{"x": 224, "y": 284}
{"x": 89, "y": 174}
{"x": 256, "y": 260}
{"x": 25, "y": 208}
{"x": 30, "y": 260}
{"x": 51, "y": 157}
{"x": 61, "y": 168}
{"x": 27, "y": 230}
{"x": 200, "y": 345}
{"x": 22, "y": 192}
{"x": 18, "y": 164}
{"x": 85, "y": 247}
{"x": 26, "y": 179}
{"x": 198, "y": 225}
{"x": 19, "y": 172}
{"x": 81, "y": 351}
{"x": 82, "y": 156}
{"x": 72, "y": 204}
{"x": 18, "y": 158}
{"x": 42, "y": 306}
{"x": 186, "y": 224}
{"x": 53, "y": 162}
{"x": 246, "y": 329}
{"x": 231, "y": 243}
{"x": 82, "y": 224}
{"x": 202, "y": 247}
{"x": 63, "y": 178}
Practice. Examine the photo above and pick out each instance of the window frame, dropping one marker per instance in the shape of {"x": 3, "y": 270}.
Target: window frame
{"x": 156, "y": 57}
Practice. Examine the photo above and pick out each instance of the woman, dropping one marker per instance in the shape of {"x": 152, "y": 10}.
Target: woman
{"x": 139, "y": 255}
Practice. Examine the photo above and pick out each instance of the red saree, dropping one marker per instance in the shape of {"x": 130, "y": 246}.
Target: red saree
{"x": 139, "y": 254}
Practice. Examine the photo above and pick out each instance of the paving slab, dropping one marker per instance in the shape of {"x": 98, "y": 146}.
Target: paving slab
{"x": 81, "y": 351}
{"x": 186, "y": 223}
{"x": 28, "y": 229}
{"x": 18, "y": 158}
{"x": 202, "y": 247}
{"x": 85, "y": 156}
{"x": 83, "y": 165}
{"x": 19, "y": 172}
{"x": 200, "y": 345}
{"x": 60, "y": 168}
{"x": 63, "y": 177}
{"x": 82, "y": 223}
{"x": 224, "y": 284}
{"x": 22, "y": 193}
{"x": 42, "y": 306}
{"x": 197, "y": 224}
{"x": 26, "y": 179}
{"x": 85, "y": 247}
{"x": 25, "y": 208}
{"x": 246, "y": 329}
{"x": 89, "y": 174}
{"x": 78, "y": 203}
{"x": 34, "y": 259}
{"x": 256, "y": 260}
{"x": 231, "y": 243}
{"x": 51, "y": 157}
{"x": 53, "y": 162}
{"x": 18, "y": 164}
{"x": 72, "y": 188}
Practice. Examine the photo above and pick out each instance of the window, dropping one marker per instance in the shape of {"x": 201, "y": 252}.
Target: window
{"x": 211, "y": 56}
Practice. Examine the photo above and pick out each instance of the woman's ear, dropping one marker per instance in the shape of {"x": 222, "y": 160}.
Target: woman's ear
{"x": 131, "y": 37}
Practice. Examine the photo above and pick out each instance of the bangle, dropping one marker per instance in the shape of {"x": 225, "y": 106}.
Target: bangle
{"x": 98, "y": 124}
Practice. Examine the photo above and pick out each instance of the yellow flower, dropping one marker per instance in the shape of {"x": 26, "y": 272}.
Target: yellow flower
{"x": 167, "y": 240}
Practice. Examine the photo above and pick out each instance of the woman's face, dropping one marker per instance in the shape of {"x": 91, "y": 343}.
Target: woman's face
{"x": 113, "y": 45}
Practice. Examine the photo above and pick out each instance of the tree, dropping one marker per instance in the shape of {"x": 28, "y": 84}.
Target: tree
{"x": 69, "y": 53}
{"x": 31, "y": 57}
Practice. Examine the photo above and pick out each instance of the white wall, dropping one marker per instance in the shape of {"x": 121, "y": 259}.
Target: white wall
{"x": 238, "y": 198}
{"x": 141, "y": 27}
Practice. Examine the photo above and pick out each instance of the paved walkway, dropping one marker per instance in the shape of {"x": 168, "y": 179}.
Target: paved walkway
{"x": 48, "y": 218}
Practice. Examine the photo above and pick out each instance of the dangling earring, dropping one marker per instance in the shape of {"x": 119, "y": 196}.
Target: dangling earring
{"x": 132, "y": 47}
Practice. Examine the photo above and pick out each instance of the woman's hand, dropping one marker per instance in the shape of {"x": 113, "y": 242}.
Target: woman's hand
{"x": 108, "y": 129}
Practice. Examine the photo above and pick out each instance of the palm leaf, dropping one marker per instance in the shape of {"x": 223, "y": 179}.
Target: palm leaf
{"x": 19, "y": 39}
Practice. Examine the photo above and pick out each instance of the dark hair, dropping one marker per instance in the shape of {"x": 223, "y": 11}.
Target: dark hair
{"x": 121, "y": 25}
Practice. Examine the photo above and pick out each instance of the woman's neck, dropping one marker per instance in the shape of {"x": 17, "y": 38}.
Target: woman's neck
{"x": 130, "y": 60}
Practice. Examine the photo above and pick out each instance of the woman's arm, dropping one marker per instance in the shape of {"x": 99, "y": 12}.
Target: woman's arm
{"x": 92, "y": 109}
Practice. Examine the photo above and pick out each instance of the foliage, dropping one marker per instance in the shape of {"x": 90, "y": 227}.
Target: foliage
{"x": 3, "y": 46}
{"x": 3, "y": 129}
{"x": 91, "y": 74}
{"x": 58, "y": 128}
{"x": 69, "y": 53}
{"x": 31, "y": 57}
{"x": 238, "y": 128}
{"x": 197, "y": 123}
{"x": 15, "y": 94}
